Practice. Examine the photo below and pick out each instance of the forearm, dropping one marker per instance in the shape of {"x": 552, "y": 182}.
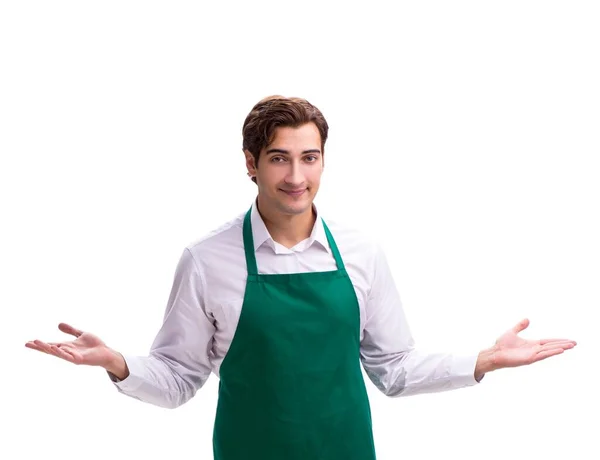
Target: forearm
{"x": 159, "y": 381}
{"x": 414, "y": 372}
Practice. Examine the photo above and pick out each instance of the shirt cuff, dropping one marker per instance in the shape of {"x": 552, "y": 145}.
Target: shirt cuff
{"x": 463, "y": 371}
{"x": 134, "y": 380}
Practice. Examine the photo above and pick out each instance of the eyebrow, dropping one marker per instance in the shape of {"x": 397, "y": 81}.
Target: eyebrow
{"x": 285, "y": 152}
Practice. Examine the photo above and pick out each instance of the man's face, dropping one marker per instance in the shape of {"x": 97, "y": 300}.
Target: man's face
{"x": 289, "y": 170}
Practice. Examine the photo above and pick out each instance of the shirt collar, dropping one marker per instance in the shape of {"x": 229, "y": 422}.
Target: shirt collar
{"x": 261, "y": 235}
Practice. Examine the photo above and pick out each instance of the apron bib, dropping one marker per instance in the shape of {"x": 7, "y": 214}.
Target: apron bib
{"x": 291, "y": 386}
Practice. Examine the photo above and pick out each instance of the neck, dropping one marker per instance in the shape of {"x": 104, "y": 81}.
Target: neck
{"x": 287, "y": 229}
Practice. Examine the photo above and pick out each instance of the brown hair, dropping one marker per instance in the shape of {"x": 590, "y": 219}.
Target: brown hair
{"x": 275, "y": 111}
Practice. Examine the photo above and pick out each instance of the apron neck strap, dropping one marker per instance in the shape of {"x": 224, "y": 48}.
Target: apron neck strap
{"x": 334, "y": 248}
{"x": 249, "y": 246}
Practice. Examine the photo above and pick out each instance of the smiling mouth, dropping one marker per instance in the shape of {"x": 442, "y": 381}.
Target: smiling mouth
{"x": 294, "y": 193}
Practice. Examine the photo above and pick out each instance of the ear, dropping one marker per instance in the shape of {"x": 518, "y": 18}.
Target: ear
{"x": 250, "y": 163}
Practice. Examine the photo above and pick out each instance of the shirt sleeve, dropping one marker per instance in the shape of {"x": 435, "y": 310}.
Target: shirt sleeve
{"x": 388, "y": 353}
{"x": 178, "y": 363}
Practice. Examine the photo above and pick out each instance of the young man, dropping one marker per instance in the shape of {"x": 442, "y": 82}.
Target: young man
{"x": 284, "y": 307}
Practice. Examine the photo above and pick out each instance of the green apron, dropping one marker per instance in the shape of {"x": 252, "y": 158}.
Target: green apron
{"x": 291, "y": 386}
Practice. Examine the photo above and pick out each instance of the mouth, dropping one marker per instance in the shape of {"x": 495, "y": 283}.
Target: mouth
{"x": 294, "y": 193}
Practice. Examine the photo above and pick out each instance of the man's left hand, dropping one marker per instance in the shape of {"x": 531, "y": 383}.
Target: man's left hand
{"x": 510, "y": 350}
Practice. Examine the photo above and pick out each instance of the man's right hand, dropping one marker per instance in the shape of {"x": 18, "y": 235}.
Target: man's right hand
{"x": 86, "y": 349}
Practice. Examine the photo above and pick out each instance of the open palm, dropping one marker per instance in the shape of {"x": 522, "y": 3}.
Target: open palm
{"x": 511, "y": 350}
{"x": 86, "y": 349}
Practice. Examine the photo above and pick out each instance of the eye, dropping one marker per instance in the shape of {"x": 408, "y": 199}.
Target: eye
{"x": 311, "y": 158}
{"x": 277, "y": 159}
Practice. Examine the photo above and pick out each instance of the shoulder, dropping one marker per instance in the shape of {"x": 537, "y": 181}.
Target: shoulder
{"x": 361, "y": 252}
{"x": 357, "y": 246}
{"x": 349, "y": 235}
{"x": 219, "y": 243}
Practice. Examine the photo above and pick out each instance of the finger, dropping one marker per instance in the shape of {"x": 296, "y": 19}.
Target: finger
{"x": 567, "y": 343}
{"x": 42, "y": 346}
{"x": 68, "y": 348}
{"x": 62, "y": 353}
{"x": 68, "y": 329}
{"x": 546, "y": 341}
{"x": 547, "y": 354}
{"x": 33, "y": 346}
{"x": 75, "y": 356}
{"x": 54, "y": 350}
{"x": 521, "y": 325}
{"x": 556, "y": 346}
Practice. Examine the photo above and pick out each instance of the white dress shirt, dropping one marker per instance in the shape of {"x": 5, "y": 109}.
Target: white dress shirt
{"x": 206, "y": 300}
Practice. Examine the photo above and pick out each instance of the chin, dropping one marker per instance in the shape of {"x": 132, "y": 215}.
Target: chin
{"x": 295, "y": 209}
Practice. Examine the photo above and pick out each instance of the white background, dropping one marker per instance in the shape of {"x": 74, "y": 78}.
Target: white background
{"x": 464, "y": 137}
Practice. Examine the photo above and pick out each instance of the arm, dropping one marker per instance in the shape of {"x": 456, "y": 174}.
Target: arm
{"x": 397, "y": 368}
{"x": 388, "y": 351}
{"x": 178, "y": 363}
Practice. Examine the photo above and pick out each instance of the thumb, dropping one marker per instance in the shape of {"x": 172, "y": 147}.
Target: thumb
{"x": 68, "y": 329}
{"x": 521, "y": 325}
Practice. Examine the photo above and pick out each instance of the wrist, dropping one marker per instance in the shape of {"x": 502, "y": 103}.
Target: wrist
{"x": 116, "y": 365}
{"x": 486, "y": 362}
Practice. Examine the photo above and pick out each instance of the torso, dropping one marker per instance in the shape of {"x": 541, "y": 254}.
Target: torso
{"x": 221, "y": 262}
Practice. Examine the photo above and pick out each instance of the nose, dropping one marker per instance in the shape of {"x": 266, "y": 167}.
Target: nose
{"x": 295, "y": 174}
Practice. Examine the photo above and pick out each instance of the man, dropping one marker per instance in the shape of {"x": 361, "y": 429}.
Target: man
{"x": 284, "y": 307}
